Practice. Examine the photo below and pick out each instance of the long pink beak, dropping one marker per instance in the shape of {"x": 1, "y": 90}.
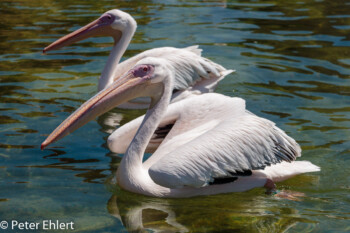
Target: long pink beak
{"x": 99, "y": 27}
{"x": 122, "y": 90}
{"x": 78, "y": 35}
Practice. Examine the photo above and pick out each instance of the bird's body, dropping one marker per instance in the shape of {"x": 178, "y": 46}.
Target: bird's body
{"x": 206, "y": 144}
{"x": 212, "y": 142}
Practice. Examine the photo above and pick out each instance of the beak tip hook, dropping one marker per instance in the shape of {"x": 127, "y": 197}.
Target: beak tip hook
{"x": 42, "y": 147}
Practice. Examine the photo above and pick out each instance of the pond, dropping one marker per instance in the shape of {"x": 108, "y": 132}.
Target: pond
{"x": 292, "y": 62}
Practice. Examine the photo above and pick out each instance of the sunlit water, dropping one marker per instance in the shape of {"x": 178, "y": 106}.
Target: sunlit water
{"x": 293, "y": 67}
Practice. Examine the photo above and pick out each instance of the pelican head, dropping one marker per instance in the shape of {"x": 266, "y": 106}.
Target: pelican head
{"x": 147, "y": 78}
{"x": 112, "y": 23}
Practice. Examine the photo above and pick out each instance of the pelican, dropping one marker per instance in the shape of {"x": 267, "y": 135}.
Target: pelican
{"x": 204, "y": 75}
{"x": 210, "y": 143}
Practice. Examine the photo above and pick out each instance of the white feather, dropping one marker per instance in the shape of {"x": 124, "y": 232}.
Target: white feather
{"x": 283, "y": 171}
{"x": 215, "y": 138}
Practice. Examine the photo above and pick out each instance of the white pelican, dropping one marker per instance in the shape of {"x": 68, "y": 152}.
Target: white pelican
{"x": 198, "y": 74}
{"x": 210, "y": 143}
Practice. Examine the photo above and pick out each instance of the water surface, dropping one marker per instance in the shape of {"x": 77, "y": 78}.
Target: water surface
{"x": 293, "y": 67}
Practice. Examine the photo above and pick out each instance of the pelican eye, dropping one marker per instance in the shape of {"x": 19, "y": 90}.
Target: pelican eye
{"x": 142, "y": 70}
{"x": 107, "y": 18}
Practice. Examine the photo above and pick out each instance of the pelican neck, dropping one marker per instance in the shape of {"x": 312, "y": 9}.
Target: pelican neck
{"x": 131, "y": 173}
{"x": 114, "y": 57}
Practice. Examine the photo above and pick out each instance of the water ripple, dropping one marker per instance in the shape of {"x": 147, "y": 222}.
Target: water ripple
{"x": 293, "y": 67}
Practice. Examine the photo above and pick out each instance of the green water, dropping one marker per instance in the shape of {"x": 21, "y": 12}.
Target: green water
{"x": 293, "y": 67}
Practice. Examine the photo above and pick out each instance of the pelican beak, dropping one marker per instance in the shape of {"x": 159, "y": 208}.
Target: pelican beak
{"x": 126, "y": 88}
{"x": 99, "y": 27}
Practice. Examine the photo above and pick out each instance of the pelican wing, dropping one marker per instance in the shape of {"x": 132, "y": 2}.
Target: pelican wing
{"x": 231, "y": 143}
{"x": 190, "y": 67}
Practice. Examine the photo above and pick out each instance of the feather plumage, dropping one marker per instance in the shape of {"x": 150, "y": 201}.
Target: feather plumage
{"x": 240, "y": 141}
